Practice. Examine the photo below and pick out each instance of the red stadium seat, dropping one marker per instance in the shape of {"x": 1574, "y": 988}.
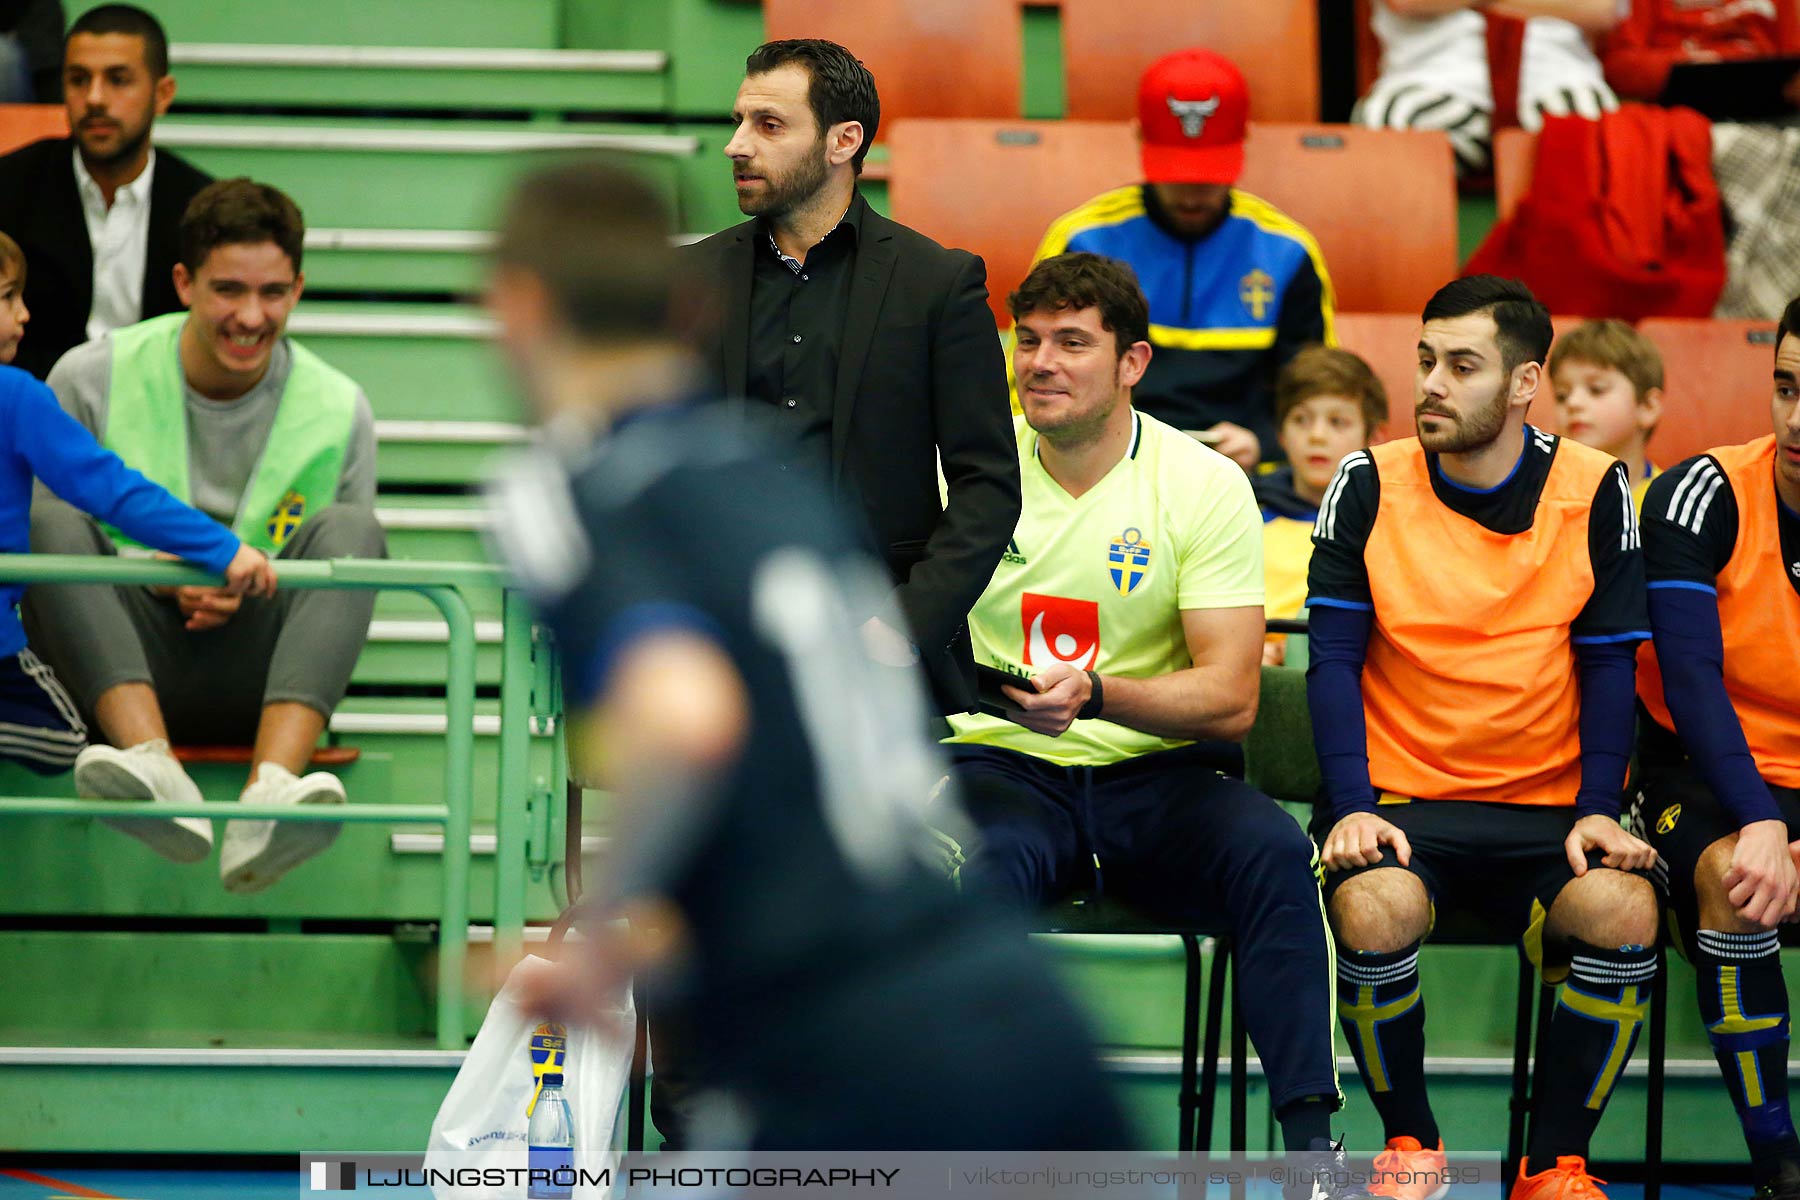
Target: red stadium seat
{"x": 1380, "y": 202}
{"x": 1388, "y": 342}
{"x": 1515, "y": 153}
{"x": 1275, "y": 43}
{"x": 994, "y": 186}
{"x": 22, "y": 124}
{"x": 930, "y": 58}
{"x": 1717, "y": 384}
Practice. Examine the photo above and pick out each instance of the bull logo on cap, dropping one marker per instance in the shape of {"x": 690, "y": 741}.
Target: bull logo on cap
{"x": 1192, "y": 114}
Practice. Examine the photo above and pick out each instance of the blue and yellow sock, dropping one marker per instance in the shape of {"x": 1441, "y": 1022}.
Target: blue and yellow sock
{"x": 1744, "y": 1003}
{"x": 1383, "y": 1017}
{"x": 1593, "y": 1030}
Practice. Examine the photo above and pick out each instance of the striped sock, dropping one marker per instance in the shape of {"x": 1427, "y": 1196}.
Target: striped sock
{"x": 1383, "y": 1017}
{"x": 1592, "y": 1032}
{"x": 1744, "y": 1002}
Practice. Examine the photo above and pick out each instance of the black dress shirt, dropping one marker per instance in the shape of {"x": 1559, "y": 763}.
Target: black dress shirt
{"x": 797, "y": 330}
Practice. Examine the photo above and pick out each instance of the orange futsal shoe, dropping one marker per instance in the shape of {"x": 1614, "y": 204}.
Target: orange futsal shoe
{"x": 1406, "y": 1170}
{"x": 1567, "y": 1180}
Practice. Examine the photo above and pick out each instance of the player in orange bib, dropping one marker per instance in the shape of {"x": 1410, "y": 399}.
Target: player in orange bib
{"x": 1720, "y": 745}
{"x": 1477, "y": 597}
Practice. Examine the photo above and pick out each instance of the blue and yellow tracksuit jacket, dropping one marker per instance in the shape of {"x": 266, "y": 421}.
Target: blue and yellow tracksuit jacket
{"x": 1226, "y": 311}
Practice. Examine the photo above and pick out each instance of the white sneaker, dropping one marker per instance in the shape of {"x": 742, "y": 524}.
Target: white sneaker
{"x": 146, "y": 771}
{"x": 255, "y": 854}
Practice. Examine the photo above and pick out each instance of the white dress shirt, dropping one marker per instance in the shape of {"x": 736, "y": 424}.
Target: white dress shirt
{"x": 120, "y": 237}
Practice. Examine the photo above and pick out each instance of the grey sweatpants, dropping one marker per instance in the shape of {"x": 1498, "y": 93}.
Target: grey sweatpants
{"x": 299, "y": 646}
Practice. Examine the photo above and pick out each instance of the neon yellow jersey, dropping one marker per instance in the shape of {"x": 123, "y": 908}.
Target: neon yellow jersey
{"x": 1100, "y": 581}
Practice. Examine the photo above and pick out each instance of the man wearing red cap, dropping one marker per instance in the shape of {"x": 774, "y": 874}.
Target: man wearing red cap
{"x": 1236, "y": 287}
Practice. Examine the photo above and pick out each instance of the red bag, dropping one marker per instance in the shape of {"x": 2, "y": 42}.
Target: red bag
{"x": 1622, "y": 220}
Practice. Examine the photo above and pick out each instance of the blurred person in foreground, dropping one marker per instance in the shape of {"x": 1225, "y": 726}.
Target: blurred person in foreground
{"x": 785, "y": 895}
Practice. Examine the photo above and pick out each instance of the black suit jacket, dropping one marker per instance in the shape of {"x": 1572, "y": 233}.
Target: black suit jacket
{"x": 920, "y": 379}
{"x": 40, "y": 208}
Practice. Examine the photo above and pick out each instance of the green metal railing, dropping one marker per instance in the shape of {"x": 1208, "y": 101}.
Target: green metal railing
{"x": 443, "y": 584}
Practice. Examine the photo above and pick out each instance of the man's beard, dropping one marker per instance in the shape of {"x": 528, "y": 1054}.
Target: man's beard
{"x": 1476, "y": 431}
{"x": 1076, "y": 430}
{"x": 128, "y": 148}
{"x": 787, "y": 192}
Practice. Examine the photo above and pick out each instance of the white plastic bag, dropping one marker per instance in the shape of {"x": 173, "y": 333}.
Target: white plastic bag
{"x": 483, "y": 1119}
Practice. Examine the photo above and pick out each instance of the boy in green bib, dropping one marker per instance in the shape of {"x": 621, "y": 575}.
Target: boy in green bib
{"x": 228, "y": 414}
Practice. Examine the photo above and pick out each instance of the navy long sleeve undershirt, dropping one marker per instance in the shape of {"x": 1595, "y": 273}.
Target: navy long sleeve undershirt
{"x": 1690, "y": 646}
{"x": 1338, "y": 641}
{"x": 1608, "y": 724}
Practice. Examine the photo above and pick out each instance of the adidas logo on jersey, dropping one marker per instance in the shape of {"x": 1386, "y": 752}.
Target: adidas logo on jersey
{"x": 1795, "y": 569}
{"x": 1013, "y": 554}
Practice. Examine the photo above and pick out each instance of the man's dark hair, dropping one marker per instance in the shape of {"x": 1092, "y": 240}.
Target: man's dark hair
{"x": 598, "y": 237}
{"x": 129, "y": 19}
{"x": 1082, "y": 280}
{"x": 235, "y": 211}
{"x": 1523, "y": 323}
{"x": 840, "y": 88}
{"x": 1789, "y": 323}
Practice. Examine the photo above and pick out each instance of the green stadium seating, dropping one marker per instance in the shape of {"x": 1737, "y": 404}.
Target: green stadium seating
{"x": 416, "y": 362}
{"x": 404, "y": 174}
{"x": 520, "y": 24}
{"x": 241, "y": 74}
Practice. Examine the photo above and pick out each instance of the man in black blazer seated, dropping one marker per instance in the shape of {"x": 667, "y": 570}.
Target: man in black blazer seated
{"x": 97, "y": 213}
{"x": 874, "y": 344}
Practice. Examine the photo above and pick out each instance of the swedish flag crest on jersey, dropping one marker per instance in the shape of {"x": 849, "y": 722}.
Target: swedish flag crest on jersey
{"x": 287, "y": 517}
{"x": 549, "y": 1047}
{"x": 1128, "y": 559}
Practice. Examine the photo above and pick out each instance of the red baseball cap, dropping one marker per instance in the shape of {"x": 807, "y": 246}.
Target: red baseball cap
{"x": 1192, "y": 110}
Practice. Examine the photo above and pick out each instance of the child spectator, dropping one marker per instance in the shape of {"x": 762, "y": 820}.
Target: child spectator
{"x": 13, "y": 313}
{"x": 1328, "y": 404}
{"x": 1608, "y": 379}
{"x": 42, "y": 729}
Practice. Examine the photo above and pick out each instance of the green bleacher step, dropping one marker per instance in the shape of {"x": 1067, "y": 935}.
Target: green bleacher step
{"x": 285, "y": 988}
{"x": 434, "y": 530}
{"x": 441, "y": 452}
{"x": 533, "y": 24}
{"x": 413, "y": 652}
{"x": 403, "y": 76}
{"x": 211, "y": 1101}
{"x": 396, "y": 260}
{"x": 415, "y": 362}
{"x": 425, "y": 174}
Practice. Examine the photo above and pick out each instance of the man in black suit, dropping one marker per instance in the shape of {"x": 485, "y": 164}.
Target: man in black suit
{"x": 97, "y": 213}
{"x": 874, "y": 344}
